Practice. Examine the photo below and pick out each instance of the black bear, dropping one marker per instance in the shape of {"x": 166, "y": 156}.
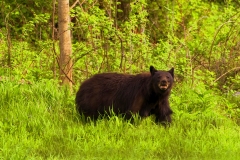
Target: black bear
{"x": 145, "y": 93}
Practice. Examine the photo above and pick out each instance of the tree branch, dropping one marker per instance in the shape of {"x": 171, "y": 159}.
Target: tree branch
{"x": 236, "y": 68}
{"x": 74, "y": 4}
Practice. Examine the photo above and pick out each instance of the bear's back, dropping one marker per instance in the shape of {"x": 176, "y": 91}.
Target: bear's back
{"x": 109, "y": 90}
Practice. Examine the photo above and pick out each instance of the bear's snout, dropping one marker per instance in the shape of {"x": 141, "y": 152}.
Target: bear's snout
{"x": 163, "y": 85}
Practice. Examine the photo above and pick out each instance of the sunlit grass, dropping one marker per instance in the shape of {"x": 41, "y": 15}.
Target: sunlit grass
{"x": 39, "y": 121}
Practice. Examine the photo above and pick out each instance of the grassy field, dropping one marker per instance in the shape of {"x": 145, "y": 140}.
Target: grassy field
{"x": 39, "y": 121}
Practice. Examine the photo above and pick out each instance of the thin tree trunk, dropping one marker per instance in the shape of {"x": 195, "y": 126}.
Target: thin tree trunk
{"x": 9, "y": 44}
{"x": 53, "y": 40}
{"x": 65, "y": 61}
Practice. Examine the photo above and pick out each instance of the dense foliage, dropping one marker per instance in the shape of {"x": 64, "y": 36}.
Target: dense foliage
{"x": 199, "y": 38}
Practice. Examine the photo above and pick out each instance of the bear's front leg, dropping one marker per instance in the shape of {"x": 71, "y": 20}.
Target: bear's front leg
{"x": 163, "y": 112}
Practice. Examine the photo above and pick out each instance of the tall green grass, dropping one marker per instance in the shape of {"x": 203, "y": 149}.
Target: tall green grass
{"x": 39, "y": 121}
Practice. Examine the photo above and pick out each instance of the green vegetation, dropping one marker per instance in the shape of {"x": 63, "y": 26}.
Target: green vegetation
{"x": 199, "y": 38}
{"x": 38, "y": 121}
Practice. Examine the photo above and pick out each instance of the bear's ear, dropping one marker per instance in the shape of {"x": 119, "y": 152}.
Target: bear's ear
{"x": 171, "y": 71}
{"x": 152, "y": 70}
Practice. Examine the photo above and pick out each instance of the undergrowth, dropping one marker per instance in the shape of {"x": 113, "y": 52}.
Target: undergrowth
{"x": 39, "y": 121}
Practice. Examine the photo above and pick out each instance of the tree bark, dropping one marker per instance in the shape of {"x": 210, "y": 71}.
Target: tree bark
{"x": 65, "y": 61}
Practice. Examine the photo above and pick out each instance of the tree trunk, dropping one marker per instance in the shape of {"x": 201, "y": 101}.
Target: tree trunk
{"x": 65, "y": 61}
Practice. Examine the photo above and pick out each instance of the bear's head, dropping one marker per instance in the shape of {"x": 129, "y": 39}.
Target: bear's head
{"x": 162, "y": 81}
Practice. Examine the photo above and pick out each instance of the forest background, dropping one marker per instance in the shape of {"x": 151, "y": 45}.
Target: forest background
{"x": 199, "y": 38}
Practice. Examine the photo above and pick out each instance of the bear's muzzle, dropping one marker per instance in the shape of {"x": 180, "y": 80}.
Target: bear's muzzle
{"x": 163, "y": 85}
